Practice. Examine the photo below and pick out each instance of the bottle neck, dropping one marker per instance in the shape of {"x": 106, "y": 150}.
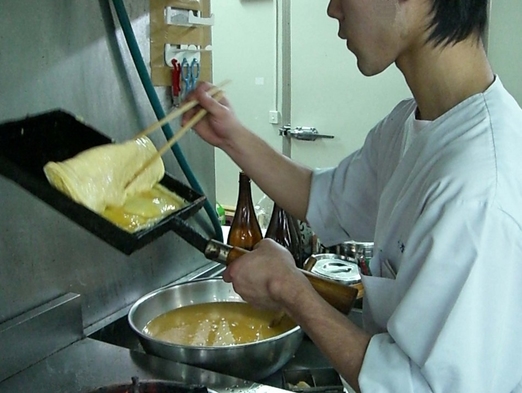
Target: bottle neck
{"x": 276, "y": 220}
{"x": 245, "y": 231}
{"x": 283, "y": 229}
{"x": 245, "y": 191}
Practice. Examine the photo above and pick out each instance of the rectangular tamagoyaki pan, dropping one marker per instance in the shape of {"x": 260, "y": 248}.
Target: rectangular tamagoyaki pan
{"x": 26, "y": 145}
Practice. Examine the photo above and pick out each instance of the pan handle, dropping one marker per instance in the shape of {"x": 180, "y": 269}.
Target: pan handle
{"x": 338, "y": 295}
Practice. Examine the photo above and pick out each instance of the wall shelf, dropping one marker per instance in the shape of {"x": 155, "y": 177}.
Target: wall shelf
{"x": 190, "y": 36}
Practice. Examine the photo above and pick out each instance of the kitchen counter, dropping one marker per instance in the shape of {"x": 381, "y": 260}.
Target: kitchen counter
{"x": 110, "y": 353}
{"x": 89, "y": 364}
{"x": 92, "y": 362}
{"x": 46, "y": 350}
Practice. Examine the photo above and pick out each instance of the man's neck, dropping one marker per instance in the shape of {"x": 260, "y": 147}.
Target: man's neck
{"x": 442, "y": 77}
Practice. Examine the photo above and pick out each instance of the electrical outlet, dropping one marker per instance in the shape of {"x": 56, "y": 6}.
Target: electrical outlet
{"x": 273, "y": 117}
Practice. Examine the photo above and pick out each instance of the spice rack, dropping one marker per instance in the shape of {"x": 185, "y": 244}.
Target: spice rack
{"x": 180, "y": 29}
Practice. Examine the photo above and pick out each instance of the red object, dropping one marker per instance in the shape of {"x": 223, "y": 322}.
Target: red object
{"x": 176, "y": 79}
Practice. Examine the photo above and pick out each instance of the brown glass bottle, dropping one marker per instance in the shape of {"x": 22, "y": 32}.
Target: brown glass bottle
{"x": 283, "y": 228}
{"x": 245, "y": 231}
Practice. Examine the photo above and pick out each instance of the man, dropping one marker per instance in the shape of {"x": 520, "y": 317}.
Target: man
{"x": 437, "y": 185}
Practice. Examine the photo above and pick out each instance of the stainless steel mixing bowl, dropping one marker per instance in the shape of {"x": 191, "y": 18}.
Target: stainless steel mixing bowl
{"x": 252, "y": 361}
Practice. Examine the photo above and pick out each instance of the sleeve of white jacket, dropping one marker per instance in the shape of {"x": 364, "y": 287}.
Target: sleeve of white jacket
{"x": 344, "y": 200}
{"x": 337, "y": 193}
{"x": 457, "y": 326}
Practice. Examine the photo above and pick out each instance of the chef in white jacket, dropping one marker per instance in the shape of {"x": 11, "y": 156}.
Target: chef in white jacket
{"x": 437, "y": 186}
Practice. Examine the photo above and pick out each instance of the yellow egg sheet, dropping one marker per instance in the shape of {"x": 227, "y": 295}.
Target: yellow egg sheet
{"x": 98, "y": 178}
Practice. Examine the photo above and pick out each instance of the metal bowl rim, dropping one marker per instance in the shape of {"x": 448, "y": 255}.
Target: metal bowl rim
{"x": 150, "y": 295}
{"x": 331, "y": 255}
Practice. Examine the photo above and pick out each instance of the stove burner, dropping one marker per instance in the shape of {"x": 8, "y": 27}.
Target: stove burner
{"x": 152, "y": 386}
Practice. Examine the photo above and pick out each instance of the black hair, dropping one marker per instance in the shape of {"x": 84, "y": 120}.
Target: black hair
{"x": 455, "y": 20}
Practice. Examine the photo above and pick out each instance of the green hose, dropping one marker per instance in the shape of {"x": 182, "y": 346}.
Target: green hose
{"x": 143, "y": 73}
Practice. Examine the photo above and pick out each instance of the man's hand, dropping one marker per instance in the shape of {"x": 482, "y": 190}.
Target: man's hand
{"x": 265, "y": 275}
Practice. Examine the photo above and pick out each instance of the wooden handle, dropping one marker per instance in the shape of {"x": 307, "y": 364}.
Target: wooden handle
{"x": 235, "y": 253}
{"x": 339, "y": 296}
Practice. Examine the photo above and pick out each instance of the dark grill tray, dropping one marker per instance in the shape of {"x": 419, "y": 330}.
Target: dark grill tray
{"x": 26, "y": 145}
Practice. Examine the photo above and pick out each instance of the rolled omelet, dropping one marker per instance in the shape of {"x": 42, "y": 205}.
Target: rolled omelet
{"x": 97, "y": 177}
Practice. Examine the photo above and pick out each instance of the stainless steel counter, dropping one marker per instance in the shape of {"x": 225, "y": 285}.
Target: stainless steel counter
{"x": 44, "y": 350}
{"x": 89, "y": 364}
{"x": 107, "y": 354}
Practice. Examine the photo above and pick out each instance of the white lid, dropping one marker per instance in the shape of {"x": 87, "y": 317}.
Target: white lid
{"x": 337, "y": 269}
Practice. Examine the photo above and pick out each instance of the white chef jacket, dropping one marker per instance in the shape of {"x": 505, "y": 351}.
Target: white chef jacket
{"x": 444, "y": 301}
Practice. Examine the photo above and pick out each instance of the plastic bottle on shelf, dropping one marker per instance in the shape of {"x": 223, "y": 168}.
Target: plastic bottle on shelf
{"x": 283, "y": 228}
{"x": 245, "y": 231}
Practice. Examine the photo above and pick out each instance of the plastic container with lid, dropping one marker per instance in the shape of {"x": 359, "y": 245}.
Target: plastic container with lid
{"x": 334, "y": 266}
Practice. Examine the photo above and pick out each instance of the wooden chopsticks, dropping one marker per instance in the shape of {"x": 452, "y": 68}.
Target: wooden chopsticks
{"x": 178, "y": 112}
{"x": 216, "y": 92}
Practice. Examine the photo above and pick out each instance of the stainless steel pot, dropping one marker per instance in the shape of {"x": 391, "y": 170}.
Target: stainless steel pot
{"x": 252, "y": 361}
{"x": 350, "y": 249}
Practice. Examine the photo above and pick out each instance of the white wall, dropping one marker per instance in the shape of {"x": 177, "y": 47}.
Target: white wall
{"x": 505, "y": 44}
{"x": 244, "y": 42}
{"x": 244, "y": 50}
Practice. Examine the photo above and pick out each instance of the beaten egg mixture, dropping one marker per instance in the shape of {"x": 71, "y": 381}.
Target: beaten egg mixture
{"x": 216, "y": 324}
{"x": 143, "y": 210}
